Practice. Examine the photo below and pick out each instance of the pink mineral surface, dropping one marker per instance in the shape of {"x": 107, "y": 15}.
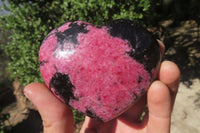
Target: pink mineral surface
{"x": 99, "y": 71}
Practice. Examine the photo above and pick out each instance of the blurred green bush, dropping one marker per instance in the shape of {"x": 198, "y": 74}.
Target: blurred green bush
{"x": 31, "y": 20}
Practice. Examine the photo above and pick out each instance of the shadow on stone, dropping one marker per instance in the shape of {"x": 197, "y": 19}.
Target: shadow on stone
{"x": 185, "y": 51}
{"x": 33, "y": 124}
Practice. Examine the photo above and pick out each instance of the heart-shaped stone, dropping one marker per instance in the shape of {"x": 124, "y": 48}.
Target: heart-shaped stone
{"x": 99, "y": 70}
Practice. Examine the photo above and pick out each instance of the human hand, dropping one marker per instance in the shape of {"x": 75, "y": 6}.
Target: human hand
{"x": 58, "y": 118}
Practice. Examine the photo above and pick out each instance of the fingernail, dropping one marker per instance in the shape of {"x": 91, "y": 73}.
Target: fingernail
{"x": 27, "y": 92}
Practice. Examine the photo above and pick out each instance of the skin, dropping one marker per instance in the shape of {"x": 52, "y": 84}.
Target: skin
{"x": 58, "y": 118}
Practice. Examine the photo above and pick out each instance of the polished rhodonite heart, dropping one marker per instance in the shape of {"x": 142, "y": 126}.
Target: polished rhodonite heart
{"x": 99, "y": 70}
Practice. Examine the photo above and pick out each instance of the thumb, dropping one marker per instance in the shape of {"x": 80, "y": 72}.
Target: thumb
{"x": 56, "y": 116}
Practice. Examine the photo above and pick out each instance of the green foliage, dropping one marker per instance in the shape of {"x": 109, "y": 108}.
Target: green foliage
{"x": 101, "y": 11}
{"x": 78, "y": 117}
{"x": 29, "y": 23}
